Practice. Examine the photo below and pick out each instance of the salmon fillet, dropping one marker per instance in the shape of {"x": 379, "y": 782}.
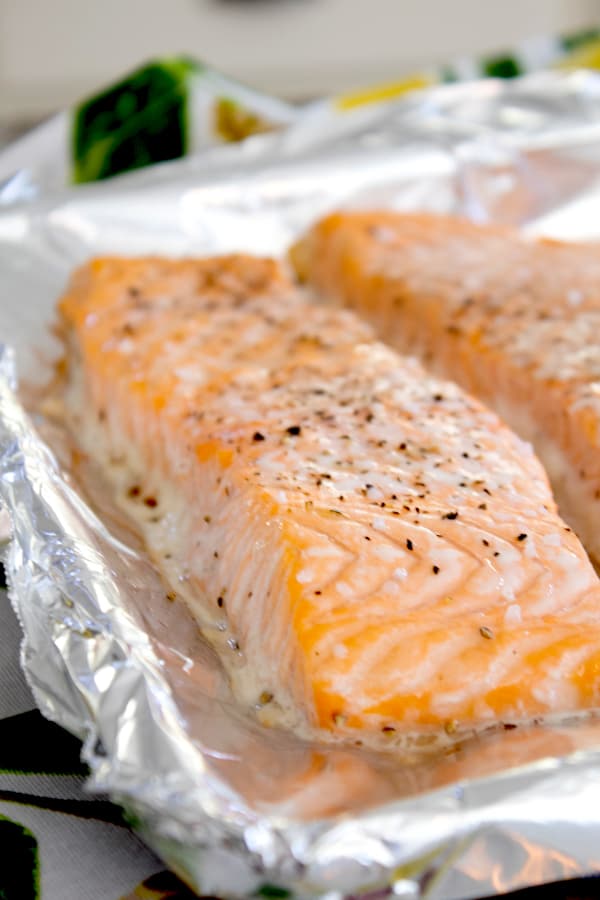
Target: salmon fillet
{"x": 516, "y": 322}
{"x": 377, "y": 554}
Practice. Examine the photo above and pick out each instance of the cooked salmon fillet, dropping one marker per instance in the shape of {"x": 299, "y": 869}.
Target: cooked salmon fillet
{"x": 514, "y": 321}
{"x": 375, "y": 550}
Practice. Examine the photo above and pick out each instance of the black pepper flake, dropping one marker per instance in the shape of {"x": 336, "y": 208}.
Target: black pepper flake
{"x": 134, "y": 491}
{"x": 438, "y": 398}
{"x": 509, "y": 726}
{"x": 496, "y": 553}
{"x": 486, "y": 633}
{"x": 220, "y": 602}
{"x": 257, "y": 436}
{"x": 294, "y": 430}
{"x": 485, "y": 542}
{"x": 522, "y": 536}
{"x": 367, "y": 538}
{"x": 402, "y": 446}
{"x": 482, "y": 506}
{"x": 388, "y": 729}
{"x": 465, "y": 455}
{"x": 318, "y": 593}
{"x": 409, "y": 544}
{"x": 450, "y": 515}
{"x": 151, "y": 502}
{"x": 435, "y": 570}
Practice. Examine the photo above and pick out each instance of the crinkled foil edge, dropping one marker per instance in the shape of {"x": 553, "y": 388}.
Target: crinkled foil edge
{"x": 78, "y": 636}
{"x": 83, "y": 653}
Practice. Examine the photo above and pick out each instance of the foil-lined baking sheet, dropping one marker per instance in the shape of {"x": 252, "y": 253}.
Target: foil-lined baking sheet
{"x": 233, "y": 806}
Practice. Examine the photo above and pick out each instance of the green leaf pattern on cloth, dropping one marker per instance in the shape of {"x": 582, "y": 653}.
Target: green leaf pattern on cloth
{"x": 19, "y": 876}
{"x": 139, "y": 121}
{"x": 56, "y": 841}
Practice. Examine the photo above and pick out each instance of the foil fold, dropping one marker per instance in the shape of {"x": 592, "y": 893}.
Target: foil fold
{"x": 81, "y": 645}
{"x": 232, "y": 806}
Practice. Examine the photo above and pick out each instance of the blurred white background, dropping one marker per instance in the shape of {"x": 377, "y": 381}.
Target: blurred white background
{"x": 54, "y": 52}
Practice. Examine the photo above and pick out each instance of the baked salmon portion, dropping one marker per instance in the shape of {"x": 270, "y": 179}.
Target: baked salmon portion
{"x": 514, "y": 321}
{"x": 375, "y": 554}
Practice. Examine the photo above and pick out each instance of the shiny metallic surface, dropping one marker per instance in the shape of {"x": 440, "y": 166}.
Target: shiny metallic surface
{"x": 230, "y": 804}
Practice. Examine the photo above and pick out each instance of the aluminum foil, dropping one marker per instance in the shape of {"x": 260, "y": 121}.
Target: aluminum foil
{"x": 235, "y": 807}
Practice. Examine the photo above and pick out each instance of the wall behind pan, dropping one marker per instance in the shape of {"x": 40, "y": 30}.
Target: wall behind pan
{"x": 53, "y": 51}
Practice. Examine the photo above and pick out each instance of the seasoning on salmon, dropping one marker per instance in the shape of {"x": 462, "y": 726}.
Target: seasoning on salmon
{"x": 514, "y": 321}
{"x": 342, "y": 522}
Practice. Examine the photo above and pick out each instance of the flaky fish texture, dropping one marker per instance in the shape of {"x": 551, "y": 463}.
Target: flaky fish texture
{"x": 378, "y": 554}
{"x": 514, "y": 321}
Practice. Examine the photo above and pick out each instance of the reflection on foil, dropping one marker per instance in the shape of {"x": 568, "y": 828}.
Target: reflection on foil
{"x": 512, "y": 186}
{"x": 480, "y": 860}
{"x": 230, "y": 804}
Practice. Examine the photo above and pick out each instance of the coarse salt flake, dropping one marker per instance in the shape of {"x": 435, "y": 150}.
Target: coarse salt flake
{"x": 513, "y": 616}
{"x": 304, "y": 576}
